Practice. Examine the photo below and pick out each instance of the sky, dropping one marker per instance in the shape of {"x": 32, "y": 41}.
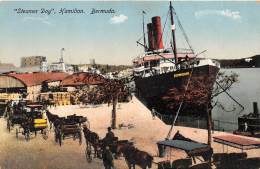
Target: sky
{"x": 225, "y": 29}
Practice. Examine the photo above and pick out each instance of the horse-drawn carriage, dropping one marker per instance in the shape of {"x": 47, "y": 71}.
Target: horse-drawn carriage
{"x": 68, "y": 127}
{"x": 33, "y": 121}
{"x": 26, "y": 118}
{"x": 15, "y": 117}
{"x": 193, "y": 149}
{"x": 14, "y": 113}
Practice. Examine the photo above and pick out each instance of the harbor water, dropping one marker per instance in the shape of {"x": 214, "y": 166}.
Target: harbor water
{"x": 226, "y": 113}
{"x": 245, "y": 91}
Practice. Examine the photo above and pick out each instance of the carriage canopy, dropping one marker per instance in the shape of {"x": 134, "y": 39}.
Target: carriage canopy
{"x": 190, "y": 147}
{"x": 181, "y": 144}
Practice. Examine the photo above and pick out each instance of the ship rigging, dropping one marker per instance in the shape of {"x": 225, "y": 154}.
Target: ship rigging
{"x": 172, "y": 80}
{"x": 177, "y": 60}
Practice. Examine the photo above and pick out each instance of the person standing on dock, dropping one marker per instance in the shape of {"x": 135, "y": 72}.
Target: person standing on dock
{"x": 246, "y": 126}
{"x": 153, "y": 113}
{"x": 107, "y": 157}
{"x": 109, "y": 138}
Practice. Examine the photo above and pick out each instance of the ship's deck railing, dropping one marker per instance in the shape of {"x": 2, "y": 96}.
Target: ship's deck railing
{"x": 160, "y": 116}
{"x": 182, "y": 120}
{"x": 218, "y": 125}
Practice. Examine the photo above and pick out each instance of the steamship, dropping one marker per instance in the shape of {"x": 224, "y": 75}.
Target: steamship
{"x": 170, "y": 80}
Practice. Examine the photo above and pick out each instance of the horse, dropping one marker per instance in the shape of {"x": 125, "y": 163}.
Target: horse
{"x": 92, "y": 139}
{"x": 118, "y": 146}
{"x": 201, "y": 166}
{"x": 51, "y": 118}
{"x": 206, "y": 153}
{"x": 133, "y": 156}
{"x": 228, "y": 157}
{"x": 179, "y": 136}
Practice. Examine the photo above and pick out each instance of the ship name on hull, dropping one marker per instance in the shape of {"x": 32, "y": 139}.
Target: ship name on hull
{"x": 182, "y": 74}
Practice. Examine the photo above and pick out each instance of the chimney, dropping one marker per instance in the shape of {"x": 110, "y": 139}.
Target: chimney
{"x": 255, "y": 108}
{"x": 157, "y": 32}
{"x": 150, "y": 37}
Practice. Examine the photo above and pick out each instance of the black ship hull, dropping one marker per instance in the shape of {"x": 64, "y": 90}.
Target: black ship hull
{"x": 165, "y": 92}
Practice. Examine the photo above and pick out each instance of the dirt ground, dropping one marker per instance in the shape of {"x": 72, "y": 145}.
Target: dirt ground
{"x": 38, "y": 153}
{"x": 141, "y": 128}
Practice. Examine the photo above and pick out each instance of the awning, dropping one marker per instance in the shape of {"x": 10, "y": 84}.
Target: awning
{"x": 183, "y": 145}
{"x": 34, "y": 106}
{"x": 237, "y": 142}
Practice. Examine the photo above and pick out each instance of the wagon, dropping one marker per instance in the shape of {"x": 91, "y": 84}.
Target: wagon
{"x": 67, "y": 129}
{"x": 192, "y": 149}
{"x": 34, "y": 122}
{"x": 15, "y": 115}
{"x": 37, "y": 125}
{"x": 74, "y": 119}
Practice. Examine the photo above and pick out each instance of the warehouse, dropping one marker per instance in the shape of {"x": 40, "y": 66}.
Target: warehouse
{"x": 69, "y": 85}
{"x": 78, "y": 80}
{"x": 28, "y": 83}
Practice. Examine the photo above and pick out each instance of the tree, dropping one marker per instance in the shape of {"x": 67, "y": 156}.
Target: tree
{"x": 110, "y": 91}
{"x": 224, "y": 83}
{"x": 114, "y": 89}
{"x": 114, "y": 103}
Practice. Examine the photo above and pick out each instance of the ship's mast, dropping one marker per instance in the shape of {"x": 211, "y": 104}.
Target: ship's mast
{"x": 145, "y": 48}
{"x": 173, "y": 35}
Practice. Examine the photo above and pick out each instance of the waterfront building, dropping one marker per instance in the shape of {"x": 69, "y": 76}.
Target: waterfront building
{"x": 29, "y": 84}
{"x": 31, "y": 61}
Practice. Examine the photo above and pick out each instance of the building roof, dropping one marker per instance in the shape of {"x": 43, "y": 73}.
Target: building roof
{"x": 83, "y": 78}
{"x": 7, "y": 67}
{"x": 32, "y": 79}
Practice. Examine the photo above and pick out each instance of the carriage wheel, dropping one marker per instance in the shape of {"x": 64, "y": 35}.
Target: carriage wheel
{"x": 99, "y": 152}
{"x": 50, "y": 125}
{"x": 45, "y": 134}
{"x": 16, "y": 133}
{"x": 8, "y": 126}
{"x": 60, "y": 139}
{"x": 27, "y": 135}
{"x": 80, "y": 138}
{"x": 56, "y": 135}
{"x": 88, "y": 154}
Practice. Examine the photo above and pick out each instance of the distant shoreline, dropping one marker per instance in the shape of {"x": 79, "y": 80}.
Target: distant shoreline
{"x": 250, "y": 62}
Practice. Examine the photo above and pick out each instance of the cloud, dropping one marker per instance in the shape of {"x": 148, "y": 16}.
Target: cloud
{"x": 44, "y": 20}
{"x": 235, "y": 15}
{"x": 118, "y": 19}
